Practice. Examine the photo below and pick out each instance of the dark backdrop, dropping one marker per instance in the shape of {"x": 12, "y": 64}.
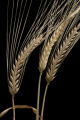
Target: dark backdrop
{"x": 63, "y": 94}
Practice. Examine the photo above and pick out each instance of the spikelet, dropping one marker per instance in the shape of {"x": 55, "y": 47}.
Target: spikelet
{"x": 61, "y": 53}
{"x": 18, "y": 68}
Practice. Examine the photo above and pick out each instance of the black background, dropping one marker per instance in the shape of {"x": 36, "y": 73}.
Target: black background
{"x": 63, "y": 94}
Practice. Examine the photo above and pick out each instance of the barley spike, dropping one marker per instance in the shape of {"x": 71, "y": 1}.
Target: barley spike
{"x": 61, "y": 53}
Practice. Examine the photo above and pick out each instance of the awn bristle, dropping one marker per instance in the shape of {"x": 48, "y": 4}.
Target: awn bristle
{"x": 61, "y": 53}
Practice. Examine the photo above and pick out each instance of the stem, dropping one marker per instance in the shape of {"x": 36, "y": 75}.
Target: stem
{"x": 43, "y": 103}
{"x": 13, "y": 107}
{"x": 38, "y": 96}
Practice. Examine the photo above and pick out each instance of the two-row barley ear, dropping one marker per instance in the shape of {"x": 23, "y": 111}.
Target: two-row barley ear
{"x": 59, "y": 56}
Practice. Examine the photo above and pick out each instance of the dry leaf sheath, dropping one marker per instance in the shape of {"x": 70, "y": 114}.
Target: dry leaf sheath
{"x": 18, "y": 107}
